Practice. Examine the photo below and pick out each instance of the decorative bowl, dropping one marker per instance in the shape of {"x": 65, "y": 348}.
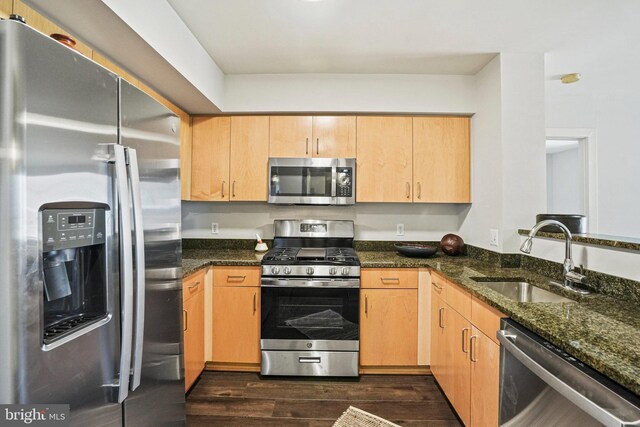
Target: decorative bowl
{"x": 416, "y": 250}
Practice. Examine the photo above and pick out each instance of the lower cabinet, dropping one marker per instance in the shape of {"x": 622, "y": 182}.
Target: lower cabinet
{"x": 236, "y": 315}
{"x": 464, "y": 359}
{"x": 389, "y": 317}
{"x": 193, "y": 325}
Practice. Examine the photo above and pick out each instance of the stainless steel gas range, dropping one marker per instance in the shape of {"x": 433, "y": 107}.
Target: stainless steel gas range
{"x": 310, "y": 299}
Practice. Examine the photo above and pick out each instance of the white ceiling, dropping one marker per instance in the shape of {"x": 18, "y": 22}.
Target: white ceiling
{"x": 388, "y": 36}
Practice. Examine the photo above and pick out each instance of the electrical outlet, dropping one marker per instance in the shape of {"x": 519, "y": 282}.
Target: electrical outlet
{"x": 400, "y": 230}
{"x": 214, "y": 228}
{"x": 493, "y": 237}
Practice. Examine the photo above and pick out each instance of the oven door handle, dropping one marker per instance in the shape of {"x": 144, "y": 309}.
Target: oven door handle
{"x": 510, "y": 341}
{"x": 302, "y": 283}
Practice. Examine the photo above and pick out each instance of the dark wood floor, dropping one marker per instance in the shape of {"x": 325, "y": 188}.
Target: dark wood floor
{"x": 245, "y": 399}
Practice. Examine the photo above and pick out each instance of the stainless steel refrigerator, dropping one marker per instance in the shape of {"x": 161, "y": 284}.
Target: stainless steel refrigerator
{"x": 90, "y": 244}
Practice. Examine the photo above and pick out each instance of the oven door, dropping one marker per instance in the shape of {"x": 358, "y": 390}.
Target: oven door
{"x": 310, "y": 318}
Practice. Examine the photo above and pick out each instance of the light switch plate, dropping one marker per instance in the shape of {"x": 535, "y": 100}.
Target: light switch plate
{"x": 400, "y": 230}
{"x": 214, "y": 228}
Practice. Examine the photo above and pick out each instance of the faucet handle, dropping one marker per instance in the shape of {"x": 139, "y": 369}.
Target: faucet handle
{"x": 581, "y": 269}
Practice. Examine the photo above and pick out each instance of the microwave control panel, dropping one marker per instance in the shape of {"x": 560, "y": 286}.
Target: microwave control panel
{"x": 344, "y": 181}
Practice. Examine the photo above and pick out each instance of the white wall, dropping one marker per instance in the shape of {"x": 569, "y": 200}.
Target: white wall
{"x": 565, "y": 182}
{"x": 402, "y": 93}
{"x": 374, "y": 221}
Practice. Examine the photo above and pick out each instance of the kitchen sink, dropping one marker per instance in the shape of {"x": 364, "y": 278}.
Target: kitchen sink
{"x": 521, "y": 291}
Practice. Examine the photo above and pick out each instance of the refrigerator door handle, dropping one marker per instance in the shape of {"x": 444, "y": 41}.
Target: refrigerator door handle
{"x": 126, "y": 271}
{"x": 138, "y": 335}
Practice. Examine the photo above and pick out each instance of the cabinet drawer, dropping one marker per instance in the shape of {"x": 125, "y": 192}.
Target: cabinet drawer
{"x": 193, "y": 284}
{"x": 236, "y": 276}
{"x": 439, "y": 285}
{"x": 459, "y": 300}
{"x": 486, "y": 318}
{"x": 389, "y": 278}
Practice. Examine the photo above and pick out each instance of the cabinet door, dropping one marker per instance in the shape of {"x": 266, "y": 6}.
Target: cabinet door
{"x": 334, "y": 136}
{"x": 384, "y": 159}
{"x": 249, "y": 158}
{"x": 290, "y": 136}
{"x": 210, "y": 158}
{"x": 441, "y": 160}
{"x": 6, "y": 8}
{"x": 193, "y": 338}
{"x": 458, "y": 339}
{"x": 485, "y": 374}
{"x": 236, "y": 325}
{"x": 389, "y": 327}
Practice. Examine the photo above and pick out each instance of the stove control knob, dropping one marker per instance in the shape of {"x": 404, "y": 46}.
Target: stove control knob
{"x": 275, "y": 270}
{"x": 286, "y": 270}
{"x": 333, "y": 271}
{"x": 345, "y": 271}
{"x": 309, "y": 270}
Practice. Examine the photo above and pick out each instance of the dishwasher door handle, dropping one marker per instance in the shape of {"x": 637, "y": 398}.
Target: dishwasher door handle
{"x": 508, "y": 341}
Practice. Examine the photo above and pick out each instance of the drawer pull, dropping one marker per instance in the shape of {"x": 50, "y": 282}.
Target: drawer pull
{"x": 309, "y": 360}
{"x": 195, "y": 285}
{"x": 236, "y": 278}
{"x": 441, "y": 317}
{"x": 186, "y": 319}
{"x": 366, "y": 305}
{"x": 439, "y": 288}
{"x": 390, "y": 279}
{"x": 255, "y": 307}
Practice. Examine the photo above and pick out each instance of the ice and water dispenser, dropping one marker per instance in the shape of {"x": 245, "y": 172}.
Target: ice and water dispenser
{"x": 75, "y": 272}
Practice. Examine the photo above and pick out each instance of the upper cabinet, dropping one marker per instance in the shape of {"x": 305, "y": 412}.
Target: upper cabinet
{"x": 6, "y": 8}
{"x": 229, "y": 158}
{"x": 249, "y": 158}
{"x": 318, "y": 136}
{"x": 384, "y": 159}
{"x": 441, "y": 160}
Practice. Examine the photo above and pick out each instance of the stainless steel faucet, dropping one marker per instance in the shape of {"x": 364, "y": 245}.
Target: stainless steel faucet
{"x": 570, "y": 276}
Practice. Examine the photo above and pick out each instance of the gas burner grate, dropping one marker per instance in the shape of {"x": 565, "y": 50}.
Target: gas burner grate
{"x": 67, "y": 326}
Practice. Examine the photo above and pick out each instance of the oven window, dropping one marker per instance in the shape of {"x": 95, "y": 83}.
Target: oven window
{"x": 300, "y": 181}
{"x": 317, "y": 314}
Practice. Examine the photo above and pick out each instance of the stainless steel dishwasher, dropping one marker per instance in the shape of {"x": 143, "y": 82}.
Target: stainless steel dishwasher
{"x": 541, "y": 385}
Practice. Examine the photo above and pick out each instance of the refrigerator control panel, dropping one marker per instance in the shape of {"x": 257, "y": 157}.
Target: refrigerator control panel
{"x": 72, "y": 228}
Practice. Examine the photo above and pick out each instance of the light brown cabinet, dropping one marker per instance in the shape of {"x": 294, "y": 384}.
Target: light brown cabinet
{"x": 441, "y": 160}
{"x": 384, "y": 159}
{"x": 465, "y": 361}
{"x": 236, "y": 316}
{"x": 6, "y": 8}
{"x": 389, "y": 318}
{"x": 317, "y": 136}
{"x": 193, "y": 326}
{"x": 229, "y": 158}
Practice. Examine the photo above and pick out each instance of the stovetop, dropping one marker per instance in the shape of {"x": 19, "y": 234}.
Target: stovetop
{"x": 311, "y": 256}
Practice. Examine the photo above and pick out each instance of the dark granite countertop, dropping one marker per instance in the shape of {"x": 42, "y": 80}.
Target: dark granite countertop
{"x": 618, "y": 242}
{"x": 602, "y": 331}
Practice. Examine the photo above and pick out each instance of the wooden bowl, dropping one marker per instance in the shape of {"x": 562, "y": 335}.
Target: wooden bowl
{"x": 64, "y": 39}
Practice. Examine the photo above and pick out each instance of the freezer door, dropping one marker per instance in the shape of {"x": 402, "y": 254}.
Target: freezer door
{"x": 58, "y": 122}
{"x": 153, "y": 131}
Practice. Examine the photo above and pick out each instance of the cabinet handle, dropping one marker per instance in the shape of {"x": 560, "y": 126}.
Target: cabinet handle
{"x": 472, "y": 340}
{"x": 419, "y": 190}
{"x": 306, "y": 150}
{"x": 186, "y": 319}
{"x": 254, "y": 302}
{"x": 390, "y": 279}
{"x": 366, "y": 305}
{"x": 236, "y": 278}
{"x": 318, "y": 146}
{"x": 233, "y": 189}
{"x": 408, "y": 190}
{"x": 222, "y": 191}
{"x": 441, "y": 317}
{"x": 439, "y": 288}
{"x": 464, "y": 340}
{"x": 195, "y": 285}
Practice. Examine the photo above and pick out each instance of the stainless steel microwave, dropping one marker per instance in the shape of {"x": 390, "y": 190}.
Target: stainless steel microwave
{"x": 312, "y": 181}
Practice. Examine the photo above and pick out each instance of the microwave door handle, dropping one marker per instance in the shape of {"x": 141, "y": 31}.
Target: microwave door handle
{"x": 138, "y": 335}
{"x": 334, "y": 181}
{"x": 126, "y": 270}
